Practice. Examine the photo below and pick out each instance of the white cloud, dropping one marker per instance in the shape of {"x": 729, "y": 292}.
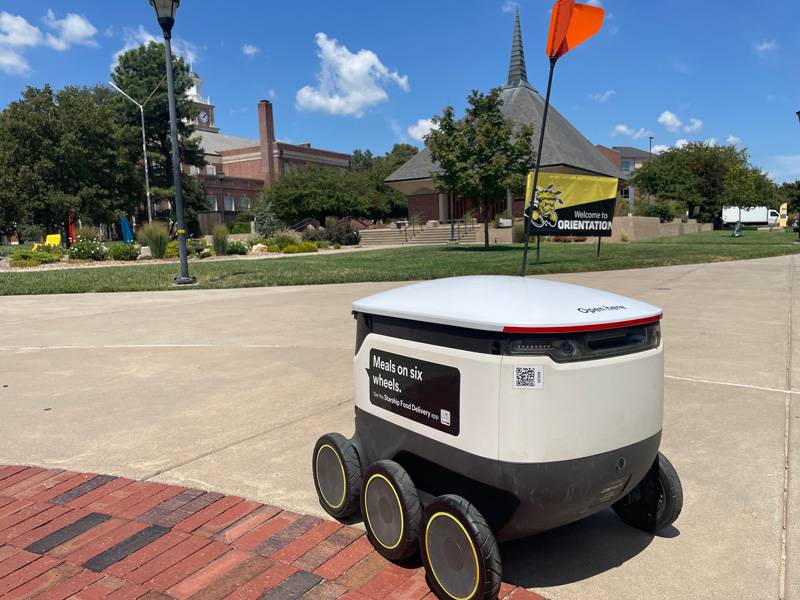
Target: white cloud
{"x": 636, "y": 134}
{"x": 249, "y": 50}
{"x": 673, "y": 123}
{"x": 140, "y": 36}
{"x": 712, "y": 141}
{"x": 510, "y": 6}
{"x": 659, "y": 148}
{"x": 784, "y": 168}
{"x": 16, "y": 32}
{"x": 694, "y": 125}
{"x": 681, "y": 143}
{"x": 670, "y": 121}
{"x": 597, "y": 3}
{"x": 420, "y": 129}
{"x": 733, "y": 140}
{"x": 69, "y": 31}
{"x": 13, "y": 63}
{"x": 603, "y": 96}
{"x": 348, "y": 83}
{"x": 765, "y": 47}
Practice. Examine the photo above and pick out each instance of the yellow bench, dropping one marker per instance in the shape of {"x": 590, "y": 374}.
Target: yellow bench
{"x": 52, "y": 240}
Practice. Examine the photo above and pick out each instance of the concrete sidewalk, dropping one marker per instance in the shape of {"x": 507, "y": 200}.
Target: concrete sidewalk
{"x": 228, "y": 390}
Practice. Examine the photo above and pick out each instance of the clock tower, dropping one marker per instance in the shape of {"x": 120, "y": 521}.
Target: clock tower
{"x": 204, "y": 121}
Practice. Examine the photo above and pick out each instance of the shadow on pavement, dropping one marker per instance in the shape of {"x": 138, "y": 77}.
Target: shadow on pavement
{"x": 574, "y": 552}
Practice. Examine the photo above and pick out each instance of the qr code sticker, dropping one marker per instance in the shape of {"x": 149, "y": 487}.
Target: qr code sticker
{"x": 530, "y": 377}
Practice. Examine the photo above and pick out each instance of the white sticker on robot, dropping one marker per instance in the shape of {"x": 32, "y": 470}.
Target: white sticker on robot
{"x": 529, "y": 377}
{"x": 445, "y": 417}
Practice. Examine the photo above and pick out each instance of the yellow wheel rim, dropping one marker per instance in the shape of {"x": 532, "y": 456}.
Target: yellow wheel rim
{"x": 471, "y": 545}
{"x": 340, "y": 502}
{"x": 399, "y": 508}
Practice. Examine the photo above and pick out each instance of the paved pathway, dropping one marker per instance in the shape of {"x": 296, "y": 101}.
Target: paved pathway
{"x": 228, "y": 390}
{"x": 86, "y": 537}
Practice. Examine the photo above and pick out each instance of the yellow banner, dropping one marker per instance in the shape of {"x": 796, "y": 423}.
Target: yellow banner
{"x": 572, "y": 190}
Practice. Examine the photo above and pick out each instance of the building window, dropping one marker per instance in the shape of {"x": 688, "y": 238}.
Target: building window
{"x": 285, "y": 168}
{"x": 244, "y": 203}
{"x": 627, "y": 165}
{"x": 228, "y": 202}
{"x": 194, "y": 170}
{"x": 211, "y": 170}
{"x": 212, "y": 202}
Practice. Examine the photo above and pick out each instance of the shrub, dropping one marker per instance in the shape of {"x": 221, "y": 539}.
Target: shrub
{"x": 312, "y": 234}
{"x": 156, "y": 237}
{"x": 123, "y": 252}
{"x": 31, "y": 258}
{"x": 267, "y": 224}
{"x": 322, "y": 245}
{"x": 57, "y": 250}
{"x": 240, "y": 228}
{"x": 86, "y": 232}
{"x": 220, "y": 239}
{"x": 342, "y": 232}
{"x": 300, "y": 248}
{"x": 172, "y": 251}
{"x": 196, "y": 246}
{"x": 337, "y": 246}
{"x": 31, "y": 233}
{"x": 665, "y": 211}
{"x": 273, "y": 248}
{"x": 235, "y": 247}
{"x": 88, "y": 249}
{"x": 285, "y": 238}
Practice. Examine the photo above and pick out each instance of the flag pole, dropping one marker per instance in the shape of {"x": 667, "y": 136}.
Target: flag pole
{"x": 536, "y": 171}
{"x": 538, "y": 246}
{"x": 599, "y": 239}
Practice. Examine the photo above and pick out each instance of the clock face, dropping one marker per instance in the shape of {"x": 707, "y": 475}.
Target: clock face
{"x": 204, "y": 118}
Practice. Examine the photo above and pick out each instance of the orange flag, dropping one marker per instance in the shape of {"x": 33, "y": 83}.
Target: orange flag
{"x": 571, "y": 25}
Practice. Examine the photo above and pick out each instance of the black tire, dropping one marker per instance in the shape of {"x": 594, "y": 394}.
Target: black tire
{"x": 337, "y": 475}
{"x": 454, "y": 540}
{"x": 656, "y": 502}
{"x": 391, "y": 509}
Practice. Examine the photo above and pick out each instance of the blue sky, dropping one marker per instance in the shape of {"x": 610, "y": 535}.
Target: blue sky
{"x": 363, "y": 74}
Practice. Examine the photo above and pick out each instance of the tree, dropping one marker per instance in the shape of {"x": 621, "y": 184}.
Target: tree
{"x": 382, "y": 201}
{"x": 482, "y": 156}
{"x": 139, "y": 72}
{"x": 704, "y": 178}
{"x": 63, "y": 153}
{"x": 790, "y": 193}
{"x": 317, "y": 192}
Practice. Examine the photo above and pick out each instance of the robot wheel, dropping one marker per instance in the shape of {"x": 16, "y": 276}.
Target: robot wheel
{"x": 655, "y": 503}
{"x": 459, "y": 551}
{"x": 391, "y": 510}
{"x": 337, "y": 475}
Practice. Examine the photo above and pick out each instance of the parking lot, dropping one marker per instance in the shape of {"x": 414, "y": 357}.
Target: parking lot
{"x": 227, "y": 390}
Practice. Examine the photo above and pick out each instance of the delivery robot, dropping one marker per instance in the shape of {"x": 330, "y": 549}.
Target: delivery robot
{"x": 493, "y": 408}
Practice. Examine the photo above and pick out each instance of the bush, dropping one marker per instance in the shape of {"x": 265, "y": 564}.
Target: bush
{"x": 88, "y": 249}
{"x": 342, "y": 232}
{"x": 235, "y": 247}
{"x": 172, "y": 251}
{"x": 300, "y": 248}
{"x": 220, "y": 239}
{"x": 312, "y": 234}
{"x": 31, "y": 233}
{"x": 267, "y": 224}
{"x": 322, "y": 245}
{"x": 31, "y": 258}
{"x": 284, "y": 238}
{"x": 240, "y": 228}
{"x": 156, "y": 237}
{"x": 86, "y": 232}
{"x": 337, "y": 246}
{"x": 123, "y": 252}
{"x": 664, "y": 210}
{"x": 273, "y": 248}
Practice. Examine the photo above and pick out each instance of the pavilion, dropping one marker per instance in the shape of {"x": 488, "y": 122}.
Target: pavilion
{"x": 566, "y": 150}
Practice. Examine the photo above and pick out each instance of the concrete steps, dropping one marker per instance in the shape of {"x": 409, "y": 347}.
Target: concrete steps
{"x": 433, "y": 235}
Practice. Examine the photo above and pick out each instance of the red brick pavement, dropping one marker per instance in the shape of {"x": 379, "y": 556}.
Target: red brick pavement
{"x": 81, "y": 536}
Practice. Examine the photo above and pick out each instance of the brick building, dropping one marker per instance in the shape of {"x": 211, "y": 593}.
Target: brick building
{"x": 239, "y": 169}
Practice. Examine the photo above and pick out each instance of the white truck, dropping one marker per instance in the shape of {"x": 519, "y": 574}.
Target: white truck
{"x": 752, "y": 215}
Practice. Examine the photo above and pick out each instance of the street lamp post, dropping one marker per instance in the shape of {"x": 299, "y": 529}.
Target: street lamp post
{"x": 649, "y": 200}
{"x": 144, "y": 144}
{"x": 165, "y": 11}
{"x": 797, "y": 222}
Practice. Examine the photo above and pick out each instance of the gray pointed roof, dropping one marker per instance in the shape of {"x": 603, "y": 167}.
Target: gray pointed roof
{"x": 564, "y": 146}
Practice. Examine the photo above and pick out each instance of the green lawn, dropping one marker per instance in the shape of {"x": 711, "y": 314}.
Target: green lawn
{"x": 407, "y": 263}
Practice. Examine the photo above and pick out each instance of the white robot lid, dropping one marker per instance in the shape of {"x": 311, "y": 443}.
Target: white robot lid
{"x": 509, "y": 304}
